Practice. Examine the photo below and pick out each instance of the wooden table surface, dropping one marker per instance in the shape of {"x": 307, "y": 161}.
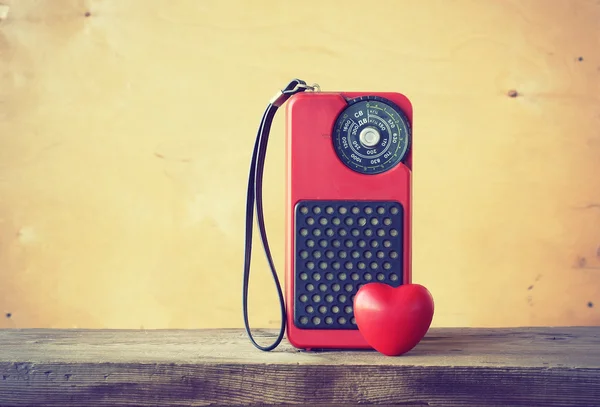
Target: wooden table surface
{"x": 474, "y": 367}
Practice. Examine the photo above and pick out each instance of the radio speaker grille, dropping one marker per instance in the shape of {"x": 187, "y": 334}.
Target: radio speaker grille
{"x": 340, "y": 246}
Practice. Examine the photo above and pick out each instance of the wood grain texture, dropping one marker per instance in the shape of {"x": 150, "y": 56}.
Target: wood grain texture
{"x": 117, "y": 212}
{"x": 472, "y": 367}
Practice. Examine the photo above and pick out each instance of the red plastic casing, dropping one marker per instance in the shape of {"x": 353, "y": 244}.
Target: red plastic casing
{"x": 313, "y": 171}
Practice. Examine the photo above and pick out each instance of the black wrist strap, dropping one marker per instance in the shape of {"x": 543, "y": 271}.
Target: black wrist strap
{"x": 254, "y": 197}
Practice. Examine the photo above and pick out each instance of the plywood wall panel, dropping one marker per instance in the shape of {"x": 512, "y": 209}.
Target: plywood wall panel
{"x": 126, "y": 129}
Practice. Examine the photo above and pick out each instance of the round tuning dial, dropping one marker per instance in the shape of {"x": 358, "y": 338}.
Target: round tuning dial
{"x": 371, "y": 135}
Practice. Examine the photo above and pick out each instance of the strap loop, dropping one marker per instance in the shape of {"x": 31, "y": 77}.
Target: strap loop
{"x": 254, "y": 197}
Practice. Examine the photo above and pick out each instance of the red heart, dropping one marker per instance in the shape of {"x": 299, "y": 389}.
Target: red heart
{"x": 393, "y": 320}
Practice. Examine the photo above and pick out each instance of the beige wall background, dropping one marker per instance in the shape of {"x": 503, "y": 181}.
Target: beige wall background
{"x": 126, "y": 128}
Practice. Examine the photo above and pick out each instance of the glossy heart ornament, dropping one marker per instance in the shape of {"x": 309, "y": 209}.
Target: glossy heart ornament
{"x": 393, "y": 320}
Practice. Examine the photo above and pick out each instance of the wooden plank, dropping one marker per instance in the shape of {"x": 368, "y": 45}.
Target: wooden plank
{"x": 478, "y": 367}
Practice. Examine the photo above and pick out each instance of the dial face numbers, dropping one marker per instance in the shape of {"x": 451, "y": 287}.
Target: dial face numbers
{"x": 371, "y": 135}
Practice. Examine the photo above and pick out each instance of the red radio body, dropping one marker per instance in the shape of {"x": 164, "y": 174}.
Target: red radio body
{"x": 348, "y": 208}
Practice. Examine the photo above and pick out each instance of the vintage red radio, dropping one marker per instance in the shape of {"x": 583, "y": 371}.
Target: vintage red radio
{"x": 348, "y": 208}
